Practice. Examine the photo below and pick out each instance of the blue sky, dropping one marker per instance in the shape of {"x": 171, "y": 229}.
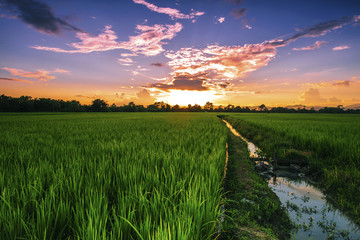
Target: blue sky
{"x": 182, "y": 52}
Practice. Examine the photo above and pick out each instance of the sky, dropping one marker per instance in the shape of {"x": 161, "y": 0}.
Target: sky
{"x": 240, "y": 52}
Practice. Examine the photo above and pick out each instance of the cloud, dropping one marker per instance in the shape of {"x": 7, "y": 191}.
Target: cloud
{"x": 221, "y": 19}
{"x": 234, "y": 62}
{"x": 312, "y": 96}
{"x": 59, "y": 70}
{"x": 181, "y": 84}
{"x": 245, "y": 23}
{"x": 335, "y": 100}
{"x": 157, "y": 64}
{"x": 344, "y": 83}
{"x": 238, "y": 12}
{"x": 40, "y": 75}
{"x": 149, "y": 42}
{"x": 125, "y": 61}
{"x": 316, "y": 45}
{"x": 217, "y": 64}
{"x": 221, "y": 62}
{"x": 15, "y": 80}
{"x": 128, "y": 55}
{"x": 38, "y": 15}
{"x": 85, "y": 96}
{"x": 145, "y": 96}
{"x": 317, "y": 30}
{"x": 339, "y": 48}
{"x": 173, "y": 13}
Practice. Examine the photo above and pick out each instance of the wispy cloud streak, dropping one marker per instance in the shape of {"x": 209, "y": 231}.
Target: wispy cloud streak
{"x": 172, "y": 12}
{"x": 15, "y": 80}
{"x": 316, "y": 45}
{"x": 40, "y": 75}
{"x": 339, "y": 48}
{"x": 317, "y": 30}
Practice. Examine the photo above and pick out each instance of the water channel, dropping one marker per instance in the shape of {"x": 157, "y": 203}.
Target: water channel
{"x": 309, "y": 209}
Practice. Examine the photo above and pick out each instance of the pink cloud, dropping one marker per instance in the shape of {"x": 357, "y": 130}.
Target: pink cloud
{"x": 339, "y": 48}
{"x": 41, "y": 75}
{"x": 214, "y": 65}
{"x": 221, "y": 19}
{"x": 126, "y": 61}
{"x": 59, "y": 70}
{"x": 149, "y": 42}
{"x": 128, "y": 55}
{"x": 316, "y": 45}
{"x": 173, "y": 13}
{"x": 16, "y": 80}
{"x": 221, "y": 62}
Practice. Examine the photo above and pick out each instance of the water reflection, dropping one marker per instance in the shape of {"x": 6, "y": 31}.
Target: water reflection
{"x": 253, "y": 150}
{"x": 314, "y": 217}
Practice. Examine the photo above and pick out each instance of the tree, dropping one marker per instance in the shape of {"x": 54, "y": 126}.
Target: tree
{"x": 263, "y": 108}
{"x": 99, "y": 105}
{"x": 209, "y": 106}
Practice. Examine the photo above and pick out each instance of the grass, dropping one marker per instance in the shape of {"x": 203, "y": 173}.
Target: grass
{"x": 253, "y": 211}
{"x": 329, "y": 142}
{"x": 110, "y": 176}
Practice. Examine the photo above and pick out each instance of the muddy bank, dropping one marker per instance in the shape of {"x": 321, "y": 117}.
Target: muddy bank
{"x": 252, "y": 210}
{"x": 312, "y": 215}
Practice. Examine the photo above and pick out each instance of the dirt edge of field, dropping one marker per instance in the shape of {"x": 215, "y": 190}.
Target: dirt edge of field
{"x": 253, "y": 211}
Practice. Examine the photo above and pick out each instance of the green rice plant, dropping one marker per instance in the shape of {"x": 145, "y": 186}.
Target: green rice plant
{"x": 110, "y": 175}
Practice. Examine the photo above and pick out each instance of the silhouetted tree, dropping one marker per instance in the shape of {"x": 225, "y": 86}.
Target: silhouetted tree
{"x": 209, "y": 106}
{"x": 99, "y": 105}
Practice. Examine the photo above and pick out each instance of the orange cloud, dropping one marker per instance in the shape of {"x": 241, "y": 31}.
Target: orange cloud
{"x": 218, "y": 64}
{"x": 149, "y": 42}
{"x": 312, "y": 96}
{"x": 41, "y": 75}
{"x": 173, "y": 13}
{"x": 221, "y": 62}
{"x": 345, "y": 83}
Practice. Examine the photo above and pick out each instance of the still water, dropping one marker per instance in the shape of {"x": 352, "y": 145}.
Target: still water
{"x": 309, "y": 210}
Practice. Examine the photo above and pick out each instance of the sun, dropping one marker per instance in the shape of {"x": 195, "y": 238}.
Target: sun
{"x": 186, "y": 97}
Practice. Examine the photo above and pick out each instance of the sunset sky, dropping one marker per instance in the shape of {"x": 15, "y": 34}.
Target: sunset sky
{"x": 246, "y": 53}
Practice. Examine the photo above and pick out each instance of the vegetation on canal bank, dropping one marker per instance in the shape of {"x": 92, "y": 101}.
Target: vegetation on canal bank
{"x": 330, "y": 144}
{"x": 253, "y": 211}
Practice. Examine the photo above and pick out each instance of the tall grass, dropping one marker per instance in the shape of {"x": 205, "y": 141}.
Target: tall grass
{"x": 110, "y": 176}
{"x": 333, "y": 140}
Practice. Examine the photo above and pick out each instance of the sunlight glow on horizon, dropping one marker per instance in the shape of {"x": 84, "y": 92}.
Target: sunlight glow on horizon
{"x": 186, "y": 97}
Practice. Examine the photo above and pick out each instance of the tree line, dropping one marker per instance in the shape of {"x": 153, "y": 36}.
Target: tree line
{"x": 29, "y": 104}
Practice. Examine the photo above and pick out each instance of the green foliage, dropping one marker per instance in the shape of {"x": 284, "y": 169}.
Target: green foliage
{"x": 110, "y": 175}
{"x": 329, "y": 142}
{"x": 253, "y": 211}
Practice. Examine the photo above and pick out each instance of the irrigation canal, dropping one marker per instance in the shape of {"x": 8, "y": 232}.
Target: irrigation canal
{"x": 309, "y": 209}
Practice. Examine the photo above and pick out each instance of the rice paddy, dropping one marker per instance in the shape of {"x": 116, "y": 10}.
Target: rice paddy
{"x": 161, "y": 175}
{"x": 110, "y": 176}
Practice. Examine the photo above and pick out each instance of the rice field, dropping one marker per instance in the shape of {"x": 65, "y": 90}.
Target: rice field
{"x": 110, "y": 175}
{"x": 330, "y": 142}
